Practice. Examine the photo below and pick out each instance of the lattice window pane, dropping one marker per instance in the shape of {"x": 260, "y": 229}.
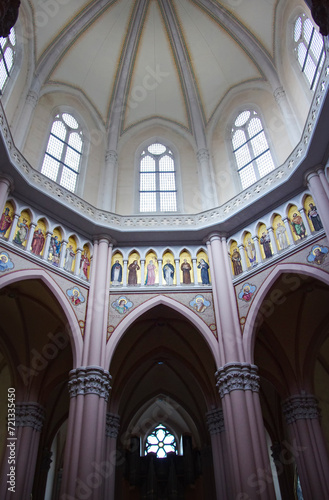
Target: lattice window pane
{"x": 298, "y": 29}
{"x": 147, "y": 182}
{"x": 3, "y": 74}
{"x": 307, "y": 30}
{"x": 12, "y": 37}
{"x": 168, "y": 202}
{"x": 147, "y": 202}
{"x": 147, "y": 164}
{"x": 75, "y": 141}
{"x": 50, "y": 167}
{"x": 167, "y": 182}
{"x": 254, "y": 127}
{"x": 301, "y": 53}
{"x": 265, "y": 164}
{"x": 72, "y": 159}
{"x": 242, "y": 118}
{"x": 259, "y": 144}
{"x": 68, "y": 179}
{"x": 157, "y": 149}
{"x": 247, "y": 176}
{"x": 59, "y": 130}
{"x": 70, "y": 121}
{"x": 55, "y": 147}
{"x": 239, "y": 138}
{"x": 166, "y": 163}
{"x": 316, "y": 45}
{"x": 309, "y": 69}
{"x": 9, "y": 58}
{"x": 242, "y": 156}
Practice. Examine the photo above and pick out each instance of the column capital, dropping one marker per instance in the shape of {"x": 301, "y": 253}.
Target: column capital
{"x": 112, "y": 425}
{"x": 29, "y": 415}
{"x": 203, "y": 154}
{"x": 215, "y": 421}
{"x": 111, "y": 156}
{"x": 89, "y": 380}
{"x": 237, "y": 376}
{"x": 311, "y": 173}
{"x": 104, "y": 237}
{"x": 216, "y": 236}
{"x": 32, "y": 98}
{"x": 300, "y": 407}
{"x": 7, "y": 179}
{"x": 279, "y": 94}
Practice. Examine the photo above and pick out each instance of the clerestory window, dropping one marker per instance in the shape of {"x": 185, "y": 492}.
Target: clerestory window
{"x": 161, "y": 442}
{"x": 309, "y": 49}
{"x": 250, "y": 148}
{"x": 7, "y": 56}
{"x": 63, "y": 154}
{"x": 157, "y": 179}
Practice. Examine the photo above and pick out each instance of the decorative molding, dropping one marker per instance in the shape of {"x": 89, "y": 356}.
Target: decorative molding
{"x": 89, "y": 380}
{"x": 203, "y": 155}
{"x": 29, "y": 415}
{"x": 32, "y": 98}
{"x": 111, "y": 156}
{"x": 237, "y": 377}
{"x": 112, "y": 425}
{"x": 279, "y": 94}
{"x": 300, "y": 407}
{"x": 215, "y": 421}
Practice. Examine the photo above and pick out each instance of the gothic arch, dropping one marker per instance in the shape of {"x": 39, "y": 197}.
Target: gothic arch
{"x": 173, "y": 304}
{"x": 39, "y": 274}
{"x": 249, "y": 334}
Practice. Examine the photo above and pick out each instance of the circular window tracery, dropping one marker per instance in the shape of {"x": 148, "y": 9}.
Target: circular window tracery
{"x": 161, "y": 442}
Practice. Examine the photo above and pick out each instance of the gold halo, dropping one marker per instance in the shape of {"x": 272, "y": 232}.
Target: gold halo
{"x": 5, "y": 257}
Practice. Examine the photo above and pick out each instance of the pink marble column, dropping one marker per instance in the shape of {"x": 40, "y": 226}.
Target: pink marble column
{"x": 320, "y": 197}
{"x": 324, "y": 181}
{"x": 109, "y": 468}
{"x": 226, "y": 311}
{"x": 308, "y": 446}
{"x": 21, "y": 452}
{"x": 222, "y": 471}
{"x": 89, "y": 386}
{"x": 238, "y": 385}
{"x": 6, "y": 185}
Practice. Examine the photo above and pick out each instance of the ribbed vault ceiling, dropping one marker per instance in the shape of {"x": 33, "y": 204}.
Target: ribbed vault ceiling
{"x": 136, "y": 60}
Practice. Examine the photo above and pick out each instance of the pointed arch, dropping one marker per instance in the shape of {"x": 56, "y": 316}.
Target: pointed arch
{"x": 74, "y": 328}
{"x": 191, "y": 316}
{"x": 250, "y": 330}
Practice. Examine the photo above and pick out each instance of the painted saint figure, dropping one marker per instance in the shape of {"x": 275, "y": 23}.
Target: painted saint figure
{"x": 251, "y": 252}
{"x": 282, "y": 236}
{"x": 314, "y": 217}
{"x": 236, "y": 261}
{"x": 21, "y": 234}
{"x": 132, "y": 273}
{"x": 298, "y": 226}
{"x": 38, "y": 241}
{"x": 5, "y": 222}
{"x": 54, "y": 250}
{"x": 150, "y": 275}
{"x": 116, "y": 273}
{"x": 204, "y": 271}
{"x": 265, "y": 240}
{"x": 84, "y": 265}
{"x": 69, "y": 258}
{"x": 168, "y": 273}
{"x": 186, "y": 268}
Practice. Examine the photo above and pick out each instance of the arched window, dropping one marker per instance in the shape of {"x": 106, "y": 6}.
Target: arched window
{"x": 7, "y": 55}
{"x": 161, "y": 442}
{"x": 157, "y": 180}
{"x": 62, "y": 158}
{"x": 309, "y": 49}
{"x": 250, "y": 147}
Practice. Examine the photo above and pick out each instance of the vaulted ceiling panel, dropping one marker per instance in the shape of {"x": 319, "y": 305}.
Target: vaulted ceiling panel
{"x": 212, "y": 51}
{"x": 92, "y": 61}
{"x": 155, "y": 88}
{"x": 257, "y": 16}
{"x": 50, "y": 18}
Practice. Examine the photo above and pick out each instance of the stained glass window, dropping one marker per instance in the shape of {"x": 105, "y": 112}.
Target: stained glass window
{"x": 309, "y": 49}
{"x": 161, "y": 442}
{"x": 157, "y": 180}
{"x": 64, "y": 150}
{"x": 7, "y": 55}
{"x": 250, "y": 148}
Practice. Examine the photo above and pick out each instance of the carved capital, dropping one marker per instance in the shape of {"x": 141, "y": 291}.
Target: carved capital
{"x": 111, "y": 156}
{"x": 29, "y": 415}
{"x": 32, "y": 98}
{"x": 89, "y": 380}
{"x": 203, "y": 155}
{"x": 237, "y": 377}
{"x": 215, "y": 421}
{"x": 279, "y": 94}
{"x": 112, "y": 425}
{"x": 300, "y": 407}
